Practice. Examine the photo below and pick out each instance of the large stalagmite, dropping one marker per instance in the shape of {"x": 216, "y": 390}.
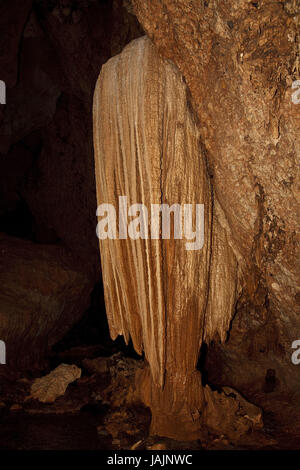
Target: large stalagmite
{"x": 166, "y": 298}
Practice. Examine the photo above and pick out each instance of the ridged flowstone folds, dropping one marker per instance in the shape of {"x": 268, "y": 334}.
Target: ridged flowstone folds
{"x": 166, "y": 298}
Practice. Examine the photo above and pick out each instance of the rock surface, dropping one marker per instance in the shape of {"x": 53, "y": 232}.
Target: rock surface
{"x": 13, "y": 17}
{"x": 147, "y": 147}
{"x": 239, "y": 60}
{"x": 42, "y": 295}
{"x": 47, "y": 389}
{"x": 94, "y": 413}
{"x": 50, "y": 60}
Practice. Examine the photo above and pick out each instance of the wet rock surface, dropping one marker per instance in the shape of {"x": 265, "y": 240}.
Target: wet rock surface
{"x": 239, "y": 60}
{"x": 98, "y": 412}
{"x": 42, "y": 295}
{"x": 46, "y": 389}
{"x": 51, "y": 56}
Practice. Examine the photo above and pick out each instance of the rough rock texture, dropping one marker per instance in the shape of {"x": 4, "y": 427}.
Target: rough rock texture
{"x": 122, "y": 371}
{"x": 97, "y": 412}
{"x": 147, "y": 147}
{"x": 50, "y": 60}
{"x": 13, "y": 16}
{"x": 50, "y": 56}
{"x": 229, "y": 405}
{"x": 47, "y": 389}
{"x": 122, "y": 106}
{"x": 42, "y": 295}
{"x": 239, "y": 60}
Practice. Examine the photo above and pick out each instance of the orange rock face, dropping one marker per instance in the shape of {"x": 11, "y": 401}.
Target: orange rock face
{"x": 167, "y": 298}
{"x": 240, "y": 61}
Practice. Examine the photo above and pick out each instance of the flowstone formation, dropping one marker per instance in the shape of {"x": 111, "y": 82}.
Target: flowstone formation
{"x": 166, "y": 298}
{"x": 241, "y": 63}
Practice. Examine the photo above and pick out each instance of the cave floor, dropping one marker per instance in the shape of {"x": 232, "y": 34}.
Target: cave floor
{"x": 95, "y": 413}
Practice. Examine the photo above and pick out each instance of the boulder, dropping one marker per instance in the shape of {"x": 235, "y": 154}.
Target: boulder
{"x": 240, "y": 61}
{"x": 43, "y": 293}
{"x": 46, "y": 389}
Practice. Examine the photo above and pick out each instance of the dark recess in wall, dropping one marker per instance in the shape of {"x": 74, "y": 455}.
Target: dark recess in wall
{"x": 53, "y": 53}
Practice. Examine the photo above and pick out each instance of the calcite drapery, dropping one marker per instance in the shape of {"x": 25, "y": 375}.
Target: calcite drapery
{"x": 43, "y": 293}
{"x": 147, "y": 147}
{"x": 241, "y": 63}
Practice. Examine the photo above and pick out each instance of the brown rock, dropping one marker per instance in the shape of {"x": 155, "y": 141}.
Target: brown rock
{"x": 31, "y": 106}
{"x": 42, "y": 295}
{"x": 158, "y": 446}
{"x": 121, "y": 389}
{"x": 239, "y": 60}
{"x": 96, "y": 366}
{"x": 13, "y": 16}
{"x": 229, "y": 413}
{"x": 50, "y": 63}
{"x": 182, "y": 295}
{"x": 47, "y": 389}
{"x": 15, "y": 407}
{"x": 240, "y": 81}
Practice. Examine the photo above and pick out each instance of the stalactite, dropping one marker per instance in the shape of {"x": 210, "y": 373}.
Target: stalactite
{"x": 165, "y": 297}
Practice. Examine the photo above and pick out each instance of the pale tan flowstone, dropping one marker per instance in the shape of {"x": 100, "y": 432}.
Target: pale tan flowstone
{"x": 47, "y": 389}
{"x": 241, "y": 62}
{"x": 166, "y": 298}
